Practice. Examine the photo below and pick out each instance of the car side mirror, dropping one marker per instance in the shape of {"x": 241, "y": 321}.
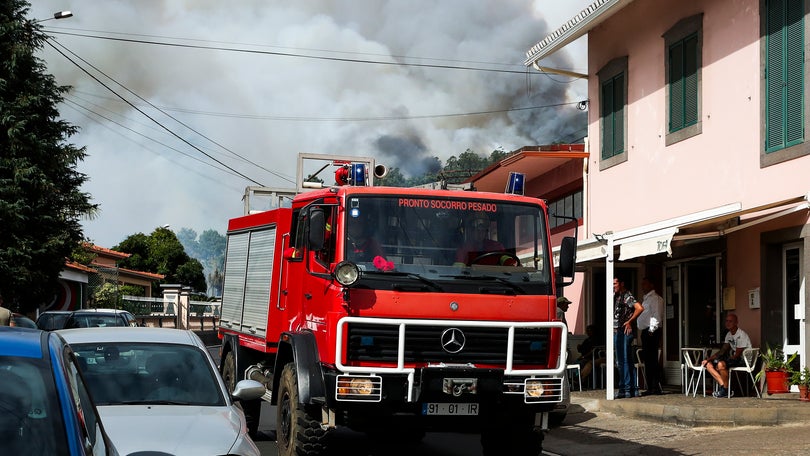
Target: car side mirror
{"x": 568, "y": 259}
{"x": 248, "y": 390}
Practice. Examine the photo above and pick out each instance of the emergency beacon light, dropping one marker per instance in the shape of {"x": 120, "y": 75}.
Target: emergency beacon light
{"x": 515, "y": 183}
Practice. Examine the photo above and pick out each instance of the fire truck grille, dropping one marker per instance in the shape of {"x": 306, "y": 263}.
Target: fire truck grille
{"x": 432, "y": 344}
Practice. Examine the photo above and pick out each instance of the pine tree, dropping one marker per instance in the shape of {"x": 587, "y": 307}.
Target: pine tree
{"x": 41, "y": 201}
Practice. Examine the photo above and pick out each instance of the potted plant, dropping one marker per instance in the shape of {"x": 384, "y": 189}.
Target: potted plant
{"x": 776, "y": 369}
{"x": 801, "y": 378}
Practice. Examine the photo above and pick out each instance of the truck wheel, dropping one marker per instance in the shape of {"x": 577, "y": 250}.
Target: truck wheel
{"x": 229, "y": 372}
{"x": 251, "y": 409}
{"x": 297, "y": 433}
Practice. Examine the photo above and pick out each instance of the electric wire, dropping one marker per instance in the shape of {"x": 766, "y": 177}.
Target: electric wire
{"x": 274, "y": 173}
{"x": 290, "y": 54}
{"x": 51, "y": 44}
{"x": 75, "y": 105}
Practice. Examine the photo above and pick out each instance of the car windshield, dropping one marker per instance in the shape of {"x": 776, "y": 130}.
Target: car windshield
{"x": 30, "y": 416}
{"x": 439, "y": 244}
{"x": 51, "y": 321}
{"x": 119, "y": 373}
{"x": 93, "y": 320}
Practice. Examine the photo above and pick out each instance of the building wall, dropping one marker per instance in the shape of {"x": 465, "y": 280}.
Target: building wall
{"x": 719, "y": 166}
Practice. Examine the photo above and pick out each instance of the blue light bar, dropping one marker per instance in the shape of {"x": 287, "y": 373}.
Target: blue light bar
{"x": 515, "y": 183}
{"x": 358, "y": 175}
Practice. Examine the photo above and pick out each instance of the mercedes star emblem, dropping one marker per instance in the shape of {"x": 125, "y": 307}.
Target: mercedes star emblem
{"x": 453, "y": 340}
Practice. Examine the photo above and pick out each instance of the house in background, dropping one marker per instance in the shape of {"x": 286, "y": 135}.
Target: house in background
{"x": 696, "y": 178}
{"x": 106, "y": 263}
{"x": 77, "y": 281}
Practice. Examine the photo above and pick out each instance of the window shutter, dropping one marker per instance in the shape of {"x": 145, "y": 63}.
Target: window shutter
{"x": 690, "y": 83}
{"x": 676, "y": 95}
{"x": 619, "y": 101}
{"x": 794, "y": 67}
{"x": 607, "y": 119}
{"x": 784, "y": 74}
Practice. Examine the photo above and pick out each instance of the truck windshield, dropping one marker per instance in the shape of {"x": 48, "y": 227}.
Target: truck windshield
{"x": 440, "y": 244}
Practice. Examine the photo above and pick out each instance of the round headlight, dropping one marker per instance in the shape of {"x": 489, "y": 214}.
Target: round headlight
{"x": 534, "y": 389}
{"x": 346, "y": 273}
{"x": 362, "y": 386}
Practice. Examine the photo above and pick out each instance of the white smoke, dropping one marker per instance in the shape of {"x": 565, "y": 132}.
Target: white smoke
{"x": 296, "y": 104}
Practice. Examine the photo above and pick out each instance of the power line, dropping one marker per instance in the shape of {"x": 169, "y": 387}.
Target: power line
{"x": 296, "y": 55}
{"x": 279, "y": 175}
{"x": 98, "y": 106}
{"x": 356, "y": 119}
{"x": 397, "y": 56}
{"x": 146, "y": 137}
{"x": 51, "y": 44}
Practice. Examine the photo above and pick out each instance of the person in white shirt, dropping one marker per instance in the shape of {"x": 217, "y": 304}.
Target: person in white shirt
{"x": 649, "y": 323}
{"x": 729, "y": 355}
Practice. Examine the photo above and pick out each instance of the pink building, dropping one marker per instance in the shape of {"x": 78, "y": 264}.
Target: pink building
{"x": 698, "y": 155}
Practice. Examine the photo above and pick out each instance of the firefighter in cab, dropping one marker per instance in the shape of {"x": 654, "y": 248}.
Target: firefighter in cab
{"x": 479, "y": 248}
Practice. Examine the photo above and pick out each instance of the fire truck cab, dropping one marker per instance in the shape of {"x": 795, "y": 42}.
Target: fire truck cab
{"x": 398, "y": 311}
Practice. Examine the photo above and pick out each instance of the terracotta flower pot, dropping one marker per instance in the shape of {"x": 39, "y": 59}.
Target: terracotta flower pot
{"x": 777, "y": 381}
{"x": 803, "y": 393}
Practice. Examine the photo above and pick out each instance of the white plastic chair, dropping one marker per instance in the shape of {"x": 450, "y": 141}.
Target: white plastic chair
{"x": 695, "y": 374}
{"x": 750, "y": 356}
{"x": 641, "y": 369}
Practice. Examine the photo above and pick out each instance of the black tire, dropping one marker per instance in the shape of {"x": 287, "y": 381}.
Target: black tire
{"x": 229, "y": 371}
{"x": 251, "y": 409}
{"x": 297, "y": 433}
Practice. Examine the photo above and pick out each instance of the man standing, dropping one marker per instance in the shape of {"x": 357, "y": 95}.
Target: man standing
{"x": 729, "y": 355}
{"x": 649, "y": 323}
{"x": 562, "y": 308}
{"x": 625, "y": 312}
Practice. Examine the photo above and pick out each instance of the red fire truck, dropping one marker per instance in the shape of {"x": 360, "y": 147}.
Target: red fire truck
{"x": 397, "y": 311}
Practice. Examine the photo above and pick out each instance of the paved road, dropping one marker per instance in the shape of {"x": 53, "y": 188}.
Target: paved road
{"x": 588, "y": 434}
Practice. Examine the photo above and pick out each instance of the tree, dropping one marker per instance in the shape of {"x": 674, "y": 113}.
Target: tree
{"x": 210, "y": 250}
{"x": 41, "y": 203}
{"x": 162, "y": 253}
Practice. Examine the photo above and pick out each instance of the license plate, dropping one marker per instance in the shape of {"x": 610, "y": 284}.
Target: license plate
{"x": 441, "y": 408}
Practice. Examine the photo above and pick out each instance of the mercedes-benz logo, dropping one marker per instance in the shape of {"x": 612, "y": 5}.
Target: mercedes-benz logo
{"x": 453, "y": 340}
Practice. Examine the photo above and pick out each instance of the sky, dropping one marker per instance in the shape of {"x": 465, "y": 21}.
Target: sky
{"x": 183, "y": 104}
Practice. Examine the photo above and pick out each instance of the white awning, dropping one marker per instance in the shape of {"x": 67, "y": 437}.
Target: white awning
{"x": 73, "y": 276}
{"x": 659, "y": 241}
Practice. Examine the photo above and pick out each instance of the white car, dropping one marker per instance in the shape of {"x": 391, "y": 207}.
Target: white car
{"x": 158, "y": 390}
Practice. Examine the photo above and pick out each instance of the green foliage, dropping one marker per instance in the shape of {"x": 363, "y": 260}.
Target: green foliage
{"x": 773, "y": 359}
{"x": 161, "y": 252}
{"x": 41, "y": 202}
{"x": 107, "y": 296}
{"x": 81, "y": 254}
{"x": 455, "y": 171}
{"x": 800, "y": 377}
{"x": 209, "y": 249}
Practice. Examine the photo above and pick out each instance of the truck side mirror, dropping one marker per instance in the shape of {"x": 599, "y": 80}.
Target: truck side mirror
{"x": 568, "y": 257}
{"x": 317, "y": 228}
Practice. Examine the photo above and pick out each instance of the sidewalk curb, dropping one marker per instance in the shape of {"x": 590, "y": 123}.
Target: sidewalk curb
{"x": 675, "y": 409}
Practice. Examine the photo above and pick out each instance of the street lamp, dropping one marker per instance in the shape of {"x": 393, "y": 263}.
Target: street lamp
{"x": 57, "y": 15}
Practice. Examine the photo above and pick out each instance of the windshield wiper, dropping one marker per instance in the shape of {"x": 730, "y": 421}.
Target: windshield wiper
{"x": 512, "y": 285}
{"x": 409, "y": 275}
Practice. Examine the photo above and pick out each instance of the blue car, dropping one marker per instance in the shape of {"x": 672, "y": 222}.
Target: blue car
{"x": 44, "y": 406}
